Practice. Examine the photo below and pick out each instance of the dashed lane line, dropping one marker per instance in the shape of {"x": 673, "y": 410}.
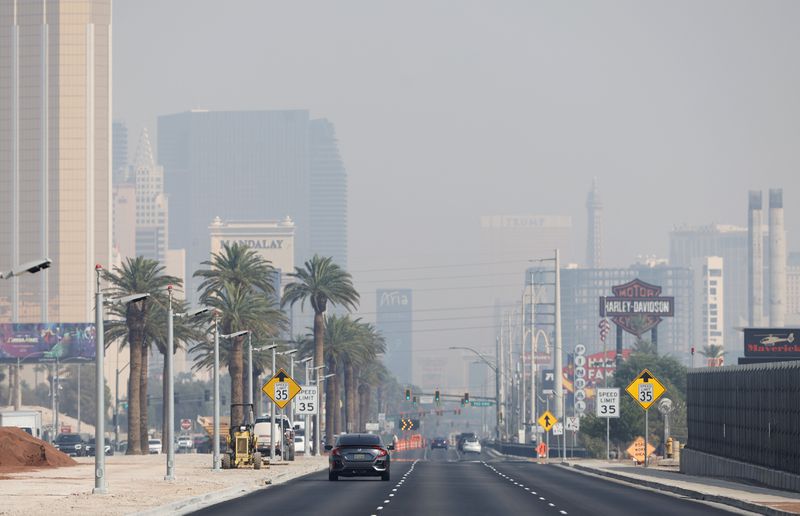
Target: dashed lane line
{"x": 519, "y": 484}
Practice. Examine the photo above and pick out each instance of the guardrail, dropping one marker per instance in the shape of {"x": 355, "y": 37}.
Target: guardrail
{"x": 529, "y": 450}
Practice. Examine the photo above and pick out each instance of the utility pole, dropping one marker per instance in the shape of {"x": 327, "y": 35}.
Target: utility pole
{"x": 498, "y": 391}
{"x": 99, "y": 424}
{"x": 215, "y": 444}
{"x": 559, "y": 367}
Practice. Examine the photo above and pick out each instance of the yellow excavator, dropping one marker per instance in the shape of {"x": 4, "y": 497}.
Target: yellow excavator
{"x": 242, "y": 440}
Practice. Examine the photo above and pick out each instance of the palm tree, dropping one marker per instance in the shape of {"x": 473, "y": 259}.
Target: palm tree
{"x": 715, "y": 355}
{"x": 239, "y": 283}
{"x": 135, "y": 325}
{"x": 321, "y": 281}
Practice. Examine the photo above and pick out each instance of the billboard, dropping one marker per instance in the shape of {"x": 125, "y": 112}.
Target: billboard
{"x": 772, "y": 342}
{"x": 637, "y": 307}
{"x": 395, "y": 321}
{"x": 45, "y": 342}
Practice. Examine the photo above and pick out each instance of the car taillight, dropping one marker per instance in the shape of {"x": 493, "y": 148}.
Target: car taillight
{"x": 381, "y": 451}
{"x": 337, "y": 452}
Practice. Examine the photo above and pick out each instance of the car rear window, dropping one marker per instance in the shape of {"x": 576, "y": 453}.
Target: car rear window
{"x": 359, "y": 440}
{"x": 69, "y": 438}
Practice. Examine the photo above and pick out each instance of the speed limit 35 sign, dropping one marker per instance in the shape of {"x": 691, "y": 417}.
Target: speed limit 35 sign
{"x": 305, "y": 403}
{"x": 607, "y": 404}
{"x": 281, "y": 388}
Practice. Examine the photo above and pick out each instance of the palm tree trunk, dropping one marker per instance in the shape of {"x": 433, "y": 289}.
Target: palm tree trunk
{"x": 329, "y": 414}
{"x": 143, "y": 434}
{"x": 235, "y": 368}
{"x": 350, "y": 398}
{"x": 134, "y": 401}
{"x": 319, "y": 353}
{"x": 337, "y": 403}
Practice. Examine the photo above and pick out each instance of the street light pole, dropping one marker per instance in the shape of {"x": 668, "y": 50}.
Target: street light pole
{"x": 272, "y": 416}
{"x": 558, "y": 384}
{"x": 99, "y": 425}
{"x": 250, "y": 368}
{"x": 170, "y": 379}
{"x": 215, "y": 458}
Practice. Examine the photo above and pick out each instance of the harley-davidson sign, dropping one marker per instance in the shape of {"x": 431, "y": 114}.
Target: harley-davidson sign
{"x": 637, "y": 307}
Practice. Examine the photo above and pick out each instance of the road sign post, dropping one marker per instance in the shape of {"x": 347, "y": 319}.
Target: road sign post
{"x": 547, "y": 421}
{"x": 646, "y": 389}
{"x": 607, "y": 406}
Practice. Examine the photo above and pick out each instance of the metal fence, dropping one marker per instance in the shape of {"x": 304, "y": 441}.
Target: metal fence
{"x": 748, "y": 413}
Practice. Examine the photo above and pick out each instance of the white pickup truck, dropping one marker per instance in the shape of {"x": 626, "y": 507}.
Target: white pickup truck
{"x": 284, "y": 437}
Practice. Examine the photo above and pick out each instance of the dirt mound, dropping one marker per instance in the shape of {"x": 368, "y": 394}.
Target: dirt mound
{"x": 20, "y": 450}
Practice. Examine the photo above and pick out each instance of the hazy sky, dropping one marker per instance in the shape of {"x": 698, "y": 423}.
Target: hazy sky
{"x": 447, "y": 110}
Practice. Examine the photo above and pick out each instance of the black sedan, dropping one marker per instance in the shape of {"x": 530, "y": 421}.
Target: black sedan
{"x": 358, "y": 455}
{"x": 90, "y": 447}
{"x": 438, "y": 442}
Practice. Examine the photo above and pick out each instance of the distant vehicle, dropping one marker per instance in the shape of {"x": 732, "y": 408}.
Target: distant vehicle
{"x": 71, "y": 444}
{"x": 185, "y": 443}
{"x": 283, "y": 427}
{"x": 359, "y": 455}
{"x": 463, "y": 437}
{"x": 300, "y": 443}
{"x": 28, "y": 420}
{"x": 771, "y": 340}
{"x": 202, "y": 443}
{"x": 154, "y": 445}
{"x": 471, "y": 445}
{"x": 90, "y": 447}
{"x": 438, "y": 442}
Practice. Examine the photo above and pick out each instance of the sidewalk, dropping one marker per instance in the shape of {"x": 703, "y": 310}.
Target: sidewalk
{"x": 136, "y": 483}
{"x": 668, "y": 478}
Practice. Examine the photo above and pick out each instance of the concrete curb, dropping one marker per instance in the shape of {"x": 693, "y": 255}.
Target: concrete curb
{"x": 188, "y": 505}
{"x": 688, "y": 493}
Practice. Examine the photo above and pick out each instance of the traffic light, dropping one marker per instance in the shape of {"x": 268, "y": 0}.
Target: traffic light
{"x": 415, "y": 401}
{"x": 466, "y": 398}
{"x": 408, "y": 394}
{"x": 436, "y": 396}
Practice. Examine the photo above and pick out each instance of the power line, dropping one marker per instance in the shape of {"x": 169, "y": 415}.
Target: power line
{"x": 450, "y": 266}
{"x": 448, "y": 309}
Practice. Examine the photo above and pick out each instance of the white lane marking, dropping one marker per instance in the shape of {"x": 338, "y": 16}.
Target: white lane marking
{"x": 541, "y": 498}
{"x": 551, "y": 504}
{"x": 563, "y": 512}
{"x": 386, "y": 501}
{"x": 391, "y": 494}
{"x": 394, "y": 490}
{"x": 380, "y": 508}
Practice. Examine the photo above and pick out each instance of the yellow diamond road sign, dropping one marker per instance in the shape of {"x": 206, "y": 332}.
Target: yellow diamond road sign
{"x": 547, "y": 420}
{"x": 281, "y": 388}
{"x": 645, "y": 389}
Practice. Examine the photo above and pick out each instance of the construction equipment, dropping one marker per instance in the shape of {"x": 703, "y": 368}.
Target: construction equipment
{"x": 242, "y": 441}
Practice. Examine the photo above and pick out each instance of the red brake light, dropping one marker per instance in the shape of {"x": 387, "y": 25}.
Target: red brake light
{"x": 381, "y": 451}
{"x": 336, "y": 452}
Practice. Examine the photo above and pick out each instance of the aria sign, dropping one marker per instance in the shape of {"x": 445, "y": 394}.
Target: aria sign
{"x": 637, "y": 307}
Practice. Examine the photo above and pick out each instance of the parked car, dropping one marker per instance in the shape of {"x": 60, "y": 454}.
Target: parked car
{"x": 185, "y": 443}
{"x": 299, "y": 443}
{"x": 154, "y": 445}
{"x": 90, "y": 447}
{"x": 359, "y": 455}
{"x": 71, "y": 444}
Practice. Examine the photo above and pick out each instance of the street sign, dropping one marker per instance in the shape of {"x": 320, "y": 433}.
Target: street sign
{"x": 381, "y": 417}
{"x": 573, "y": 424}
{"x": 636, "y": 449}
{"x": 409, "y": 424}
{"x": 481, "y": 403}
{"x": 645, "y": 389}
{"x": 607, "y": 404}
{"x": 426, "y": 400}
{"x": 281, "y": 388}
{"x": 558, "y": 429}
{"x": 548, "y": 381}
{"x": 186, "y": 424}
{"x": 306, "y": 401}
{"x": 547, "y": 420}
{"x": 372, "y": 427}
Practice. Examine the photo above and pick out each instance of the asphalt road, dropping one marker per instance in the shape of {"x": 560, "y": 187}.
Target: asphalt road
{"x": 439, "y": 482}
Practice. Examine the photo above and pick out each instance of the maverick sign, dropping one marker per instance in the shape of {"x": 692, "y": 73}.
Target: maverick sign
{"x": 637, "y": 307}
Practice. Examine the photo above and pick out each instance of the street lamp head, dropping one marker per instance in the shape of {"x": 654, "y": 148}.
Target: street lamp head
{"x": 197, "y": 311}
{"x": 30, "y": 267}
{"x": 328, "y": 376}
{"x": 289, "y": 352}
{"x": 307, "y": 359}
{"x": 131, "y": 298}
{"x": 320, "y": 366}
{"x": 235, "y": 334}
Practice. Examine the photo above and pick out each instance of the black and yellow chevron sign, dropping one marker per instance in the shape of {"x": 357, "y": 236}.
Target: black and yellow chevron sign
{"x": 407, "y": 424}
